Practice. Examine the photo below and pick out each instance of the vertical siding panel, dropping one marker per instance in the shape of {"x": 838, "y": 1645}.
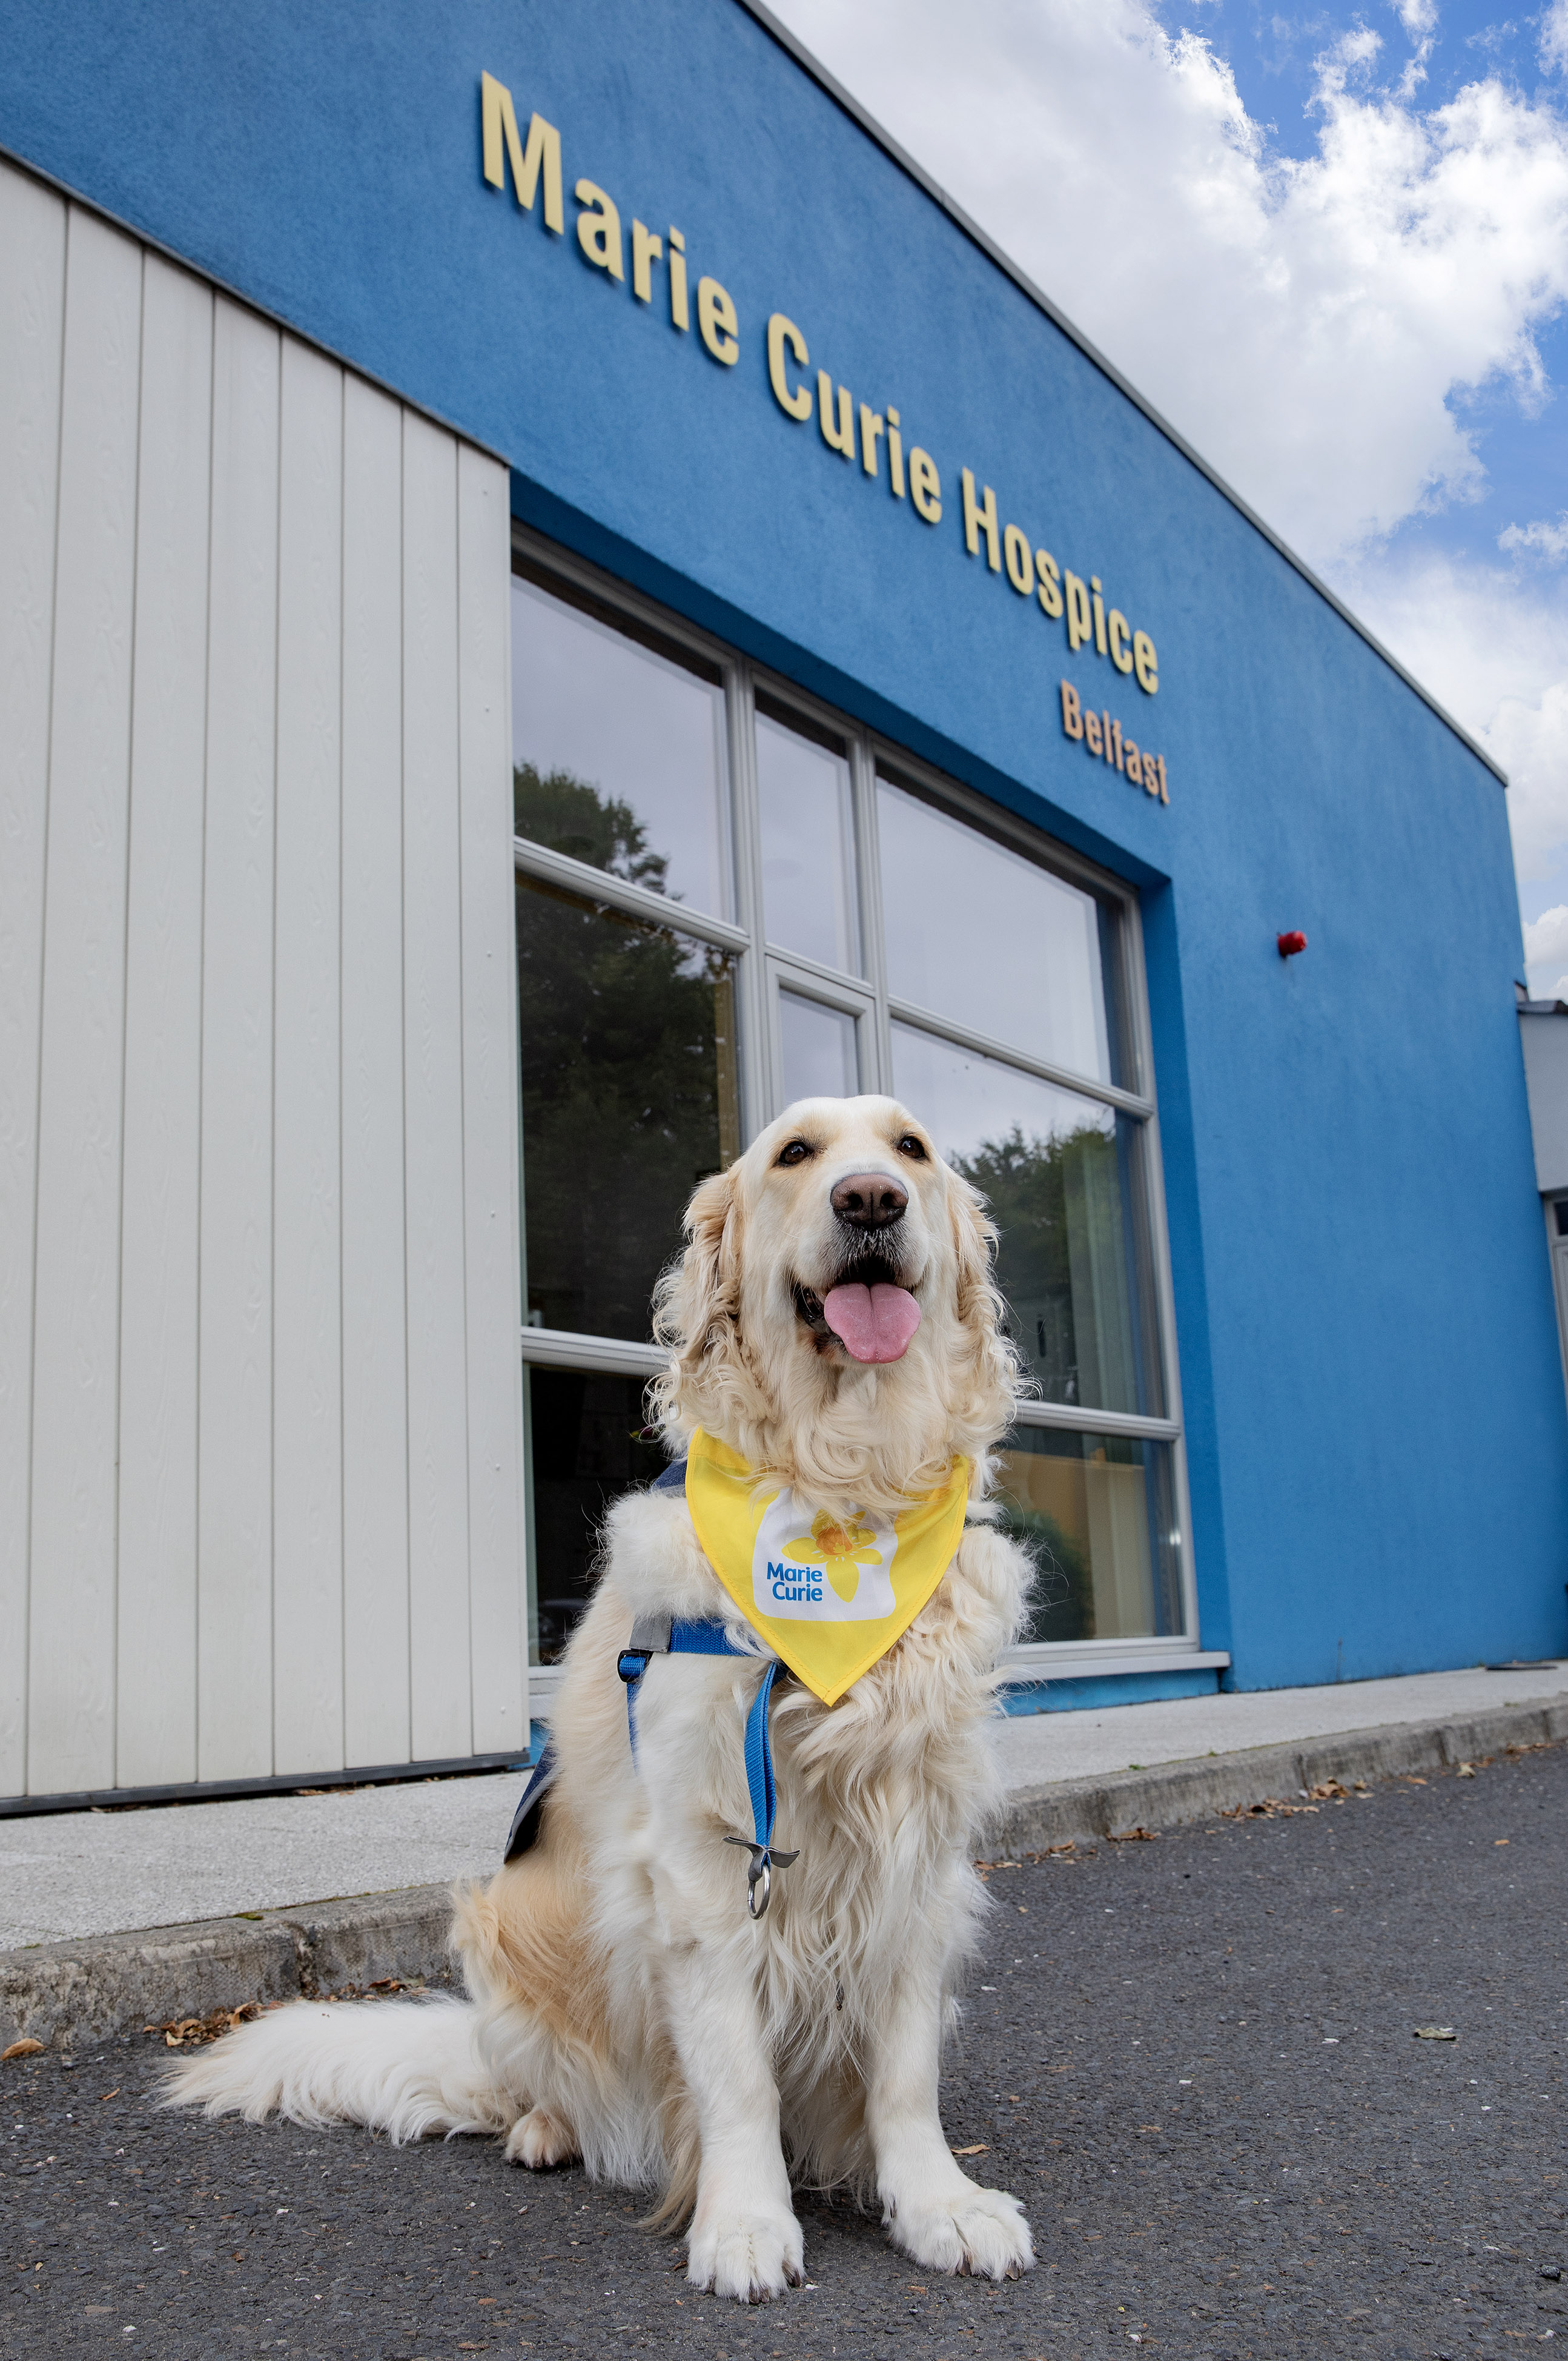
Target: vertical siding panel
{"x": 156, "y": 1739}
{"x": 433, "y": 1019}
{"x": 234, "y": 1527}
{"x": 32, "y": 300}
{"x": 496, "y": 1582}
{"x": 307, "y": 1370}
{"x": 375, "y": 1337}
{"x": 259, "y": 1392}
{"x": 76, "y": 1339}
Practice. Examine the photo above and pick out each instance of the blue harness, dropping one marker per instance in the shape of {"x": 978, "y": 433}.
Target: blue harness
{"x": 664, "y": 1635}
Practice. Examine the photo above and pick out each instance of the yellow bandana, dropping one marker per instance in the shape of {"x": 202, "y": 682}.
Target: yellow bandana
{"x": 829, "y": 1599}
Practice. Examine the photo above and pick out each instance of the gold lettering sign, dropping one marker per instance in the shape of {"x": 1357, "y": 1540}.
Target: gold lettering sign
{"x": 1100, "y": 734}
{"x": 848, "y": 428}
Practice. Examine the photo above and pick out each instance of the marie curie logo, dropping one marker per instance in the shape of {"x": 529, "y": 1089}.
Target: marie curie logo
{"x": 822, "y": 1569}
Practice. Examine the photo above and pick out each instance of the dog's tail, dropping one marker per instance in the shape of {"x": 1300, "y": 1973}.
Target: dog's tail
{"x": 408, "y": 2067}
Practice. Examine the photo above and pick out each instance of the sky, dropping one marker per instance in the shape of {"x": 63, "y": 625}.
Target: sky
{"x": 1331, "y": 246}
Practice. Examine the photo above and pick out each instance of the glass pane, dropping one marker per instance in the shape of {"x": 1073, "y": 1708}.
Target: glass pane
{"x": 1097, "y": 1514}
{"x": 1036, "y": 951}
{"x": 819, "y": 1060}
{"x": 586, "y": 1448}
{"x": 1058, "y": 1173}
{"x": 627, "y": 1039}
{"x": 808, "y": 845}
{"x": 618, "y": 751}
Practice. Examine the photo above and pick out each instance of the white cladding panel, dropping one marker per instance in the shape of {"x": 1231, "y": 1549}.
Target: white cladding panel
{"x": 32, "y": 304}
{"x": 162, "y": 1189}
{"x": 260, "y": 1431}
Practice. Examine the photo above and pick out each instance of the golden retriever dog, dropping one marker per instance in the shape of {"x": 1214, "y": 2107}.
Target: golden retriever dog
{"x": 626, "y": 2009}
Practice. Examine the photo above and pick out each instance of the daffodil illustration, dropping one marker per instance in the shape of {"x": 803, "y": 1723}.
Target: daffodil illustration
{"x": 842, "y": 1550}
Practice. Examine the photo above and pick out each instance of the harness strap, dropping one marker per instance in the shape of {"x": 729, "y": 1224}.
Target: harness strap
{"x": 526, "y": 1823}
{"x": 760, "y": 1760}
{"x": 664, "y": 1635}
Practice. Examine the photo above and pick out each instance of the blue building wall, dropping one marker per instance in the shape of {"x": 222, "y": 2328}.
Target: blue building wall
{"x": 1378, "y": 1451}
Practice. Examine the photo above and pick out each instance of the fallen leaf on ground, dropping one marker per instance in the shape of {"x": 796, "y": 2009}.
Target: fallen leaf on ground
{"x": 193, "y": 2031}
{"x": 1435, "y": 2033}
{"x": 28, "y": 2048}
{"x": 979, "y": 2150}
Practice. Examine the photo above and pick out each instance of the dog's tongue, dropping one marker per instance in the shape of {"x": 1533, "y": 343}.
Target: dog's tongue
{"x": 875, "y": 1323}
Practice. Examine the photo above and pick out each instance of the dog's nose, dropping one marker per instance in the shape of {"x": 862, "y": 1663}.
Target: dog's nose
{"x": 869, "y": 1200}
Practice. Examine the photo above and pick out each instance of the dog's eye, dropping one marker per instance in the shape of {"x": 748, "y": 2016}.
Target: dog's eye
{"x": 912, "y": 1147}
{"x": 797, "y": 1152}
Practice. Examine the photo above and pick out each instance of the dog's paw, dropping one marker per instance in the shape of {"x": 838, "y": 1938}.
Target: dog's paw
{"x": 750, "y": 2255}
{"x": 975, "y": 2230}
{"x": 540, "y": 2139}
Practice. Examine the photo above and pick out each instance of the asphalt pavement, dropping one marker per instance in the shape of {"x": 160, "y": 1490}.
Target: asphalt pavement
{"x": 1194, "y": 2058}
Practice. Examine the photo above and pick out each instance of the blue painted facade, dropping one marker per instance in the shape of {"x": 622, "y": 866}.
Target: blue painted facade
{"x": 1378, "y": 1447}
{"x": 1107, "y": 1688}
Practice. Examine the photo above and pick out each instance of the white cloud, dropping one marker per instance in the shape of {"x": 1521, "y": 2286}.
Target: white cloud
{"x": 1418, "y": 18}
{"x": 1550, "y": 541}
{"x": 1490, "y": 648}
{"x": 1546, "y": 940}
{"x": 1312, "y": 325}
{"x": 1546, "y": 954}
{"x": 1304, "y": 322}
{"x": 1554, "y": 36}
{"x": 1528, "y": 736}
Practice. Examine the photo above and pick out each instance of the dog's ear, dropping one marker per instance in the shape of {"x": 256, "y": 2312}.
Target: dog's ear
{"x": 978, "y": 1303}
{"x": 710, "y": 1271}
{"x": 991, "y": 1364}
{"x": 988, "y": 1367}
{"x": 697, "y": 1305}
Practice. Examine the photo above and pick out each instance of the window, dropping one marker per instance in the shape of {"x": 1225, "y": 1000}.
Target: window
{"x": 729, "y": 898}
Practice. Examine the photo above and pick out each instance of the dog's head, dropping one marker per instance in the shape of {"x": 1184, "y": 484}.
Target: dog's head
{"x": 834, "y": 1316}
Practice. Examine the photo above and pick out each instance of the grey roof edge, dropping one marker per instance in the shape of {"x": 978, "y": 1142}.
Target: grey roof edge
{"x": 993, "y": 253}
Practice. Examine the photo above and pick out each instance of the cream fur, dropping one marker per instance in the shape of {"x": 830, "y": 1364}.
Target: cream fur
{"x": 624, "y": 2009}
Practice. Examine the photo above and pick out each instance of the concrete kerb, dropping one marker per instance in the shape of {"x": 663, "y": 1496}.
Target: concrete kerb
{"x": 1173, "y": 1795}
{"x": 68, "y": 1993}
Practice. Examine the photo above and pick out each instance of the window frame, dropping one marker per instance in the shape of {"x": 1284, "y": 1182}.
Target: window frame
{"x": 763, "y": 968}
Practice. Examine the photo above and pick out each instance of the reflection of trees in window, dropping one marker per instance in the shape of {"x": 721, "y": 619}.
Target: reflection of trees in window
{"x": 1062, "y": 1264}
{"x": 568, "y": 816}
{"x": 1061, "y": 1594}
{"x": 627, "y": 1068}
